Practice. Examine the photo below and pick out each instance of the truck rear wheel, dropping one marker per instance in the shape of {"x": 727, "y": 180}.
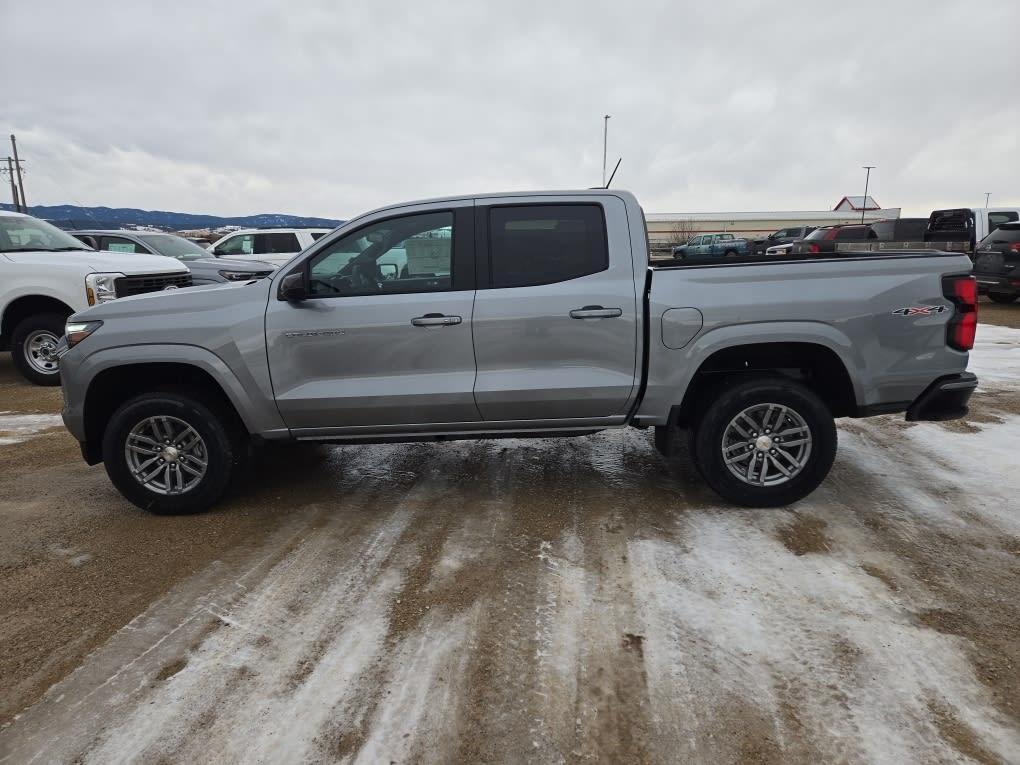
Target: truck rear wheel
{"x": 33, "y": 347}
{"x": 765, "y": 442}
{"x": 171, "y": 453}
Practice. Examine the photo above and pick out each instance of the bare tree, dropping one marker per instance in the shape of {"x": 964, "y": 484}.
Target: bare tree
{"x": 681, "y": 232}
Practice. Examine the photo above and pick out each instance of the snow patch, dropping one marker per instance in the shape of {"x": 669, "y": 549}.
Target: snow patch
{"x": 18, "y": 428}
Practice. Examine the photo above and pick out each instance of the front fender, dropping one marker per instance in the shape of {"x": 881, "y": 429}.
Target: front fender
{"x": 258, "y": 413}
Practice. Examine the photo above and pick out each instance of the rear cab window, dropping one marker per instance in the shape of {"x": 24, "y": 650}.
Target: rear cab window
{"x": 1006, "y": 234}
{"x": 531, "y": 245}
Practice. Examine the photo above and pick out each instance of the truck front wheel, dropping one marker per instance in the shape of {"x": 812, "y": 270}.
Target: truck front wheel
{"x": 171, "y": 453}
{"x": 765, "y": 442}
{"x": 33, "y": 347}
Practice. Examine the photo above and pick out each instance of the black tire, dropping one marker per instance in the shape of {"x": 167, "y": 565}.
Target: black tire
{"x": 225, "y": 451}
{"x": 1001, "y": 297}
{"x": 45, "y": 325}
{"x": 739, "y": 396}
{"x": 730, "y": 254}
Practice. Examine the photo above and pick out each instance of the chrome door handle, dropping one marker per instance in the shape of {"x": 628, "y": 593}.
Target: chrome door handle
{"x": 436, "y": 320}
{"x": 595, "y": 312}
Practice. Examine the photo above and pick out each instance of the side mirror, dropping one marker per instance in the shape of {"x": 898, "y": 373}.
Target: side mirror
{"x": 292, "y": 288}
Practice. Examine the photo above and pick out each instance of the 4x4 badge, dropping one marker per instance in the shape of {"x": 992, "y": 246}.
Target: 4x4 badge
{"x": 924, "y": 310}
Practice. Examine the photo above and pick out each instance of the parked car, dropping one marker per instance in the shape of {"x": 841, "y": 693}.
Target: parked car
{"x": 542, "y": 318}
{"x": 828, "y": 238}
{"x": 711, "y": 245}
{"x": 904, "y": 232}
{"x": 784, "y": 236}
{"x": 205, "y": 269}
{"x": 997, "y": 264}
{"x": 269, "y": 245}
{"x": 46, "y": 275}
{"x": 968, "y": 225}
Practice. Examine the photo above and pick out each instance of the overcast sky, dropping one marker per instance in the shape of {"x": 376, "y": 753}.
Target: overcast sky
{"x": 330, "y": 108}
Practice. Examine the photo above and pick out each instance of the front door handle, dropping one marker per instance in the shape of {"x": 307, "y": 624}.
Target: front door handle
{"x": 595, "y": 312}
{"x": 436, "y": 320}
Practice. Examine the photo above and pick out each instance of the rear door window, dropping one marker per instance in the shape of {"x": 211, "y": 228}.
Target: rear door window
{"x": 120, "y": 244}
{"x": 276, "y": 243}
{"x": 853, "y": 233}
{"x": 531, "y": 245}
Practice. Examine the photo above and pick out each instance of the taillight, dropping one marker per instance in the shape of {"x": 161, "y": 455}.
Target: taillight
{"x": 962, "y": 291}
{"x": 1015, "y": 246}
{"x": 813, "y": 248}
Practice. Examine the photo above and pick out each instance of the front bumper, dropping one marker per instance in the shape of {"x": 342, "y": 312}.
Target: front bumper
{"x": 944, "y": 399}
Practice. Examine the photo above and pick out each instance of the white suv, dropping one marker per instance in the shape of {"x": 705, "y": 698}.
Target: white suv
{"x": 266, "y": 245}
{"x": 46, "y": 275}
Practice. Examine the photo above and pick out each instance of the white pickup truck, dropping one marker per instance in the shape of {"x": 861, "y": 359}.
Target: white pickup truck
{"x": 46, "y": 275}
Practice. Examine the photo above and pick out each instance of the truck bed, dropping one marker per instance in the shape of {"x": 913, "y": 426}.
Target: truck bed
{"x": 852, "y": 306}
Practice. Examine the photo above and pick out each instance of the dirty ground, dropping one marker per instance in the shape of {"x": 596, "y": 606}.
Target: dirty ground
{"x": 533, "y": 600}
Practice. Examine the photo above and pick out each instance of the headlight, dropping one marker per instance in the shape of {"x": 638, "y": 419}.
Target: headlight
{"x": 100, "y": 288}
{"x": 76, "y": 331}
{"x": 237, "y": 276}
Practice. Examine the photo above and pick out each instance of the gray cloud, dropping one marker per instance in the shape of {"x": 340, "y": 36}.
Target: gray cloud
{"x": 330, "y": 109}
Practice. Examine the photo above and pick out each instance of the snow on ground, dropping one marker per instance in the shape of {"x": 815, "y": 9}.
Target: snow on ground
{"x": 996, "y": 356}
{"x": 581, "y": 599}
{"x": 16, "y": 428}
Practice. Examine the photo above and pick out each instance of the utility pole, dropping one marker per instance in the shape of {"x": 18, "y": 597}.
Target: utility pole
{"x": 17, "y": 168}
{"x": 867, "y": 178}
{"x": 14, "y": 188}
{"x": 987, "y": 195}
{"x": 605, "y": 138}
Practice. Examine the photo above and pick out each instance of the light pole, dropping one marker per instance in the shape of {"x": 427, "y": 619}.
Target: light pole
{"x": 987, "y": 195}
{"x": 605, "y": 138}
{"x": 867, "y": 178}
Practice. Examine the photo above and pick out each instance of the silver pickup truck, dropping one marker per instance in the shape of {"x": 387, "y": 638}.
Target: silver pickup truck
{"x": 530, "y": 315}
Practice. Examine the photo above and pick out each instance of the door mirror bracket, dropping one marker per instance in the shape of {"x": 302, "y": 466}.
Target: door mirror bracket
{"x": 292, "y": 287}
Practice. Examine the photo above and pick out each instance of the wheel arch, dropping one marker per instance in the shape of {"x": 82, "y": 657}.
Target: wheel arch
{"x": 813, "y": 364}
{"x": 22, "y": 307}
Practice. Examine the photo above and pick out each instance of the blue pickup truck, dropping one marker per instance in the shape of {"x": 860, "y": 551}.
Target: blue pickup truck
{"x": 711, "y": 245}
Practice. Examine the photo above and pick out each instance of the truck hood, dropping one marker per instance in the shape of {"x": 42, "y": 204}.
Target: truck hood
{"x": 234, "y": 265}
{"x": 107, "y": 262}
{"x": 190, "y": 301}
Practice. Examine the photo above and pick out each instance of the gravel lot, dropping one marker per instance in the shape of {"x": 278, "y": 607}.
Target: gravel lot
{"x": 541, "y": 600}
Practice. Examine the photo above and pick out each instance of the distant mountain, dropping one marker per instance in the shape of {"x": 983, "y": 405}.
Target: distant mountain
{"x": 73, "y": 216}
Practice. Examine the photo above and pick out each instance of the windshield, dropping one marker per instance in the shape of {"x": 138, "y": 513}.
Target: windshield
{"x": 24, "y": 234}
{"x": 174, "y": 246}
{"x": 818, "y": 233}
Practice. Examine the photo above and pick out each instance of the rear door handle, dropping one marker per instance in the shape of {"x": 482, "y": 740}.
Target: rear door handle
{"x": 436, "y": 320}
{"x": 595, "y": 312}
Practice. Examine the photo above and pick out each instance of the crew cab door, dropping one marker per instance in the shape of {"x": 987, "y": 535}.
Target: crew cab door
{"x": 556, "y": 313}
{"x": 384, "y": 336}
